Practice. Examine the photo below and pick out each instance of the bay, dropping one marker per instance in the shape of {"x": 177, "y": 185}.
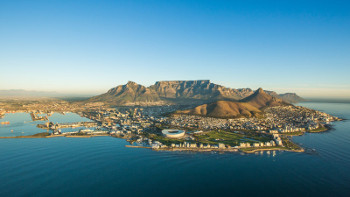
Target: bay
{"x": 103, "y": 166}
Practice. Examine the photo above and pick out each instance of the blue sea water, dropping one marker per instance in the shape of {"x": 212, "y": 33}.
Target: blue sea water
{"x": 103, "y": 166}
{"x": 22, "y": 124}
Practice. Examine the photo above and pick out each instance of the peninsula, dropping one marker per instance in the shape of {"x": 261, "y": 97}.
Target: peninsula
{"x": 183, "y": 116}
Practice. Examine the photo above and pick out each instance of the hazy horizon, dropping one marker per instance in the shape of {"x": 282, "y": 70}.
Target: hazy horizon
{"x": 305, "y": 93}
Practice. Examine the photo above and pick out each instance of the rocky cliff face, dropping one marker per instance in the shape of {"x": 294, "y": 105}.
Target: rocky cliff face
{"x": 129, "y": 94}
{"x": 172, "y": 92}
{"x": 200, "y": 89}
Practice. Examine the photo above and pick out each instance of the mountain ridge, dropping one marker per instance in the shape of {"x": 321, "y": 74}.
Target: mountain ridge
{"x": 172, "y": 92}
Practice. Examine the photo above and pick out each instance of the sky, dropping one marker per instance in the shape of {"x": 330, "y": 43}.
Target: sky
{"x": 91, "y": 46}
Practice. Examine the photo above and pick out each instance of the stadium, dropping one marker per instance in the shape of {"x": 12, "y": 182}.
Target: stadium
{"x": 173, "y": 133}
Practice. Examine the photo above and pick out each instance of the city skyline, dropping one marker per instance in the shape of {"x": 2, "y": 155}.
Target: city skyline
{"x": 87, "y": 48}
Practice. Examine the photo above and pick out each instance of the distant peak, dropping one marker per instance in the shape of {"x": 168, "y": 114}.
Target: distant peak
{"x": 260, "y": 90}
{"x": 131, "y": 83}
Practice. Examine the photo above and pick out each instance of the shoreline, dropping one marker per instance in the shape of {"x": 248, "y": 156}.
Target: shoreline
{"x": 272, "y": 149}
{"x": 321, "y": 130}
{"x": 219, "y": 149}
{"x": 160, "y": 149}
{"x": 244, "y": 150}
{"x": 52, "y": 136}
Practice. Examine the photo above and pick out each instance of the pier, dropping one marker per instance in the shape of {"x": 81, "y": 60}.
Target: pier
{"x": 35, "y": 117}
{"x": 50, "y": 125}
{"x": 76, "y": 124}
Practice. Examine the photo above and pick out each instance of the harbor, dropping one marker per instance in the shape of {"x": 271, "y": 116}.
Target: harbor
{"x": 21, "y": 124}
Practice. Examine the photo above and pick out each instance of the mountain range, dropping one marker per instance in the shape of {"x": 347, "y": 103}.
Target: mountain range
{"x": 179, "y": 92}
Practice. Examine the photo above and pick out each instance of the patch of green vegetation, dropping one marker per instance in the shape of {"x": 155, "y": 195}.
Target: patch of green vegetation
{"x": 257, "y": 136}
{"x": 263, "y": 148}
{"x": 215, "y": 137}
{"x": 230, "y": 138}
{"x": 320, "y": 129}
{"x": 289, "y": 144}
{"x": 212, "y": 137}
{"x": 293, "y": 133}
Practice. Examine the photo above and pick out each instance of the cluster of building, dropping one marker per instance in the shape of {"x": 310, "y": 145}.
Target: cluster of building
{"x": 190, "y": 121}
{"x": 258, "y": 144}
{"x": 289, "y": 130}
{"x": 188, "y": 145}
{"x": 296, "y": 118}
{"x": 281, "y": 119}
{"x": 134, "y": 122}
{"x": 37, "y": 117}
{"x": 56, "y": 126}
{"x": 137, "y": 122}
{"x": 82, "y": 132}
{"x": 127, "y": 121}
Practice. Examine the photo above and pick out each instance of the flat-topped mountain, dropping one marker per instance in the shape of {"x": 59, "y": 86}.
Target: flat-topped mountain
{"x": 251, "y": 106}
{"x": 200, "y": 89}
{"x": 171, "y": 92}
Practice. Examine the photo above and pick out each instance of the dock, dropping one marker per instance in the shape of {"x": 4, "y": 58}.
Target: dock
{"x": 35, "y": 117}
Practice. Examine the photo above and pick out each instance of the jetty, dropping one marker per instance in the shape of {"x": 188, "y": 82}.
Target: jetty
{"x": 50, "y": 125}
{"x": 35, "y": 117}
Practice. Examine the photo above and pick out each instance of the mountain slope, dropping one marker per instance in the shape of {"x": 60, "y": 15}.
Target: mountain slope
{"x": 261, "y": 99}
{"x": 223, "y": 109}
{"x": 128, "y": 94}
{"x": 251, "y": 106}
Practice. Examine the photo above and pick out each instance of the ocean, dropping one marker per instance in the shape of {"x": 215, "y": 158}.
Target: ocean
{"x": 103, "y": 166}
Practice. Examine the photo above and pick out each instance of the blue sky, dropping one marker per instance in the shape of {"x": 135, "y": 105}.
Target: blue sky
{"x": 91, "y": 46}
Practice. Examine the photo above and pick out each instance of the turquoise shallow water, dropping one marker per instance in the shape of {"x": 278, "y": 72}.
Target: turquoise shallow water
{"x": 22, "y": 124}
{"x": 102, "y": 166}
